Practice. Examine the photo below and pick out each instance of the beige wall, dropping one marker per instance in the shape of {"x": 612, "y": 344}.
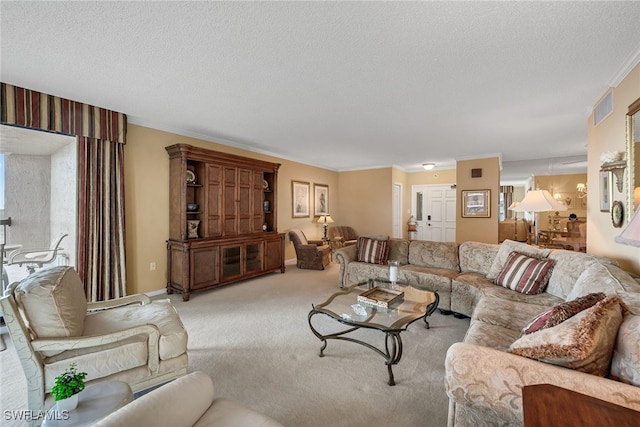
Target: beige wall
{"x": 147, "y": 201}
{"x": 365, "y": 200}
{"x": 610, "y": 135}
{"x": 478, "y": 229}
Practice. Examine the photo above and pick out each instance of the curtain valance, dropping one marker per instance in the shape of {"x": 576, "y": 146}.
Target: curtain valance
{"x": 28, "y": 108}
{"x": 506, "y": 188}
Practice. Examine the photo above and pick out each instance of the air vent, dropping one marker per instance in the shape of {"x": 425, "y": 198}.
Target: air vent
{"x": 603, "y": 108}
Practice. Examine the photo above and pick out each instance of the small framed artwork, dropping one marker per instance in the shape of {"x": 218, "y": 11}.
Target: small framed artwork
{"x": 321, "y": 199}
{"x": 606, "y": 191}
{"x": 476, "y": 203}
{"x": 300, "y": 199}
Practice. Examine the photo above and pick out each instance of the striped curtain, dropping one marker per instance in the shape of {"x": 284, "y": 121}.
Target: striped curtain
{"x": 507, "y": 194}
{"x": 101, "y": 230}
{"x": 101, "y": 137}
{"x": 27, "y": 108}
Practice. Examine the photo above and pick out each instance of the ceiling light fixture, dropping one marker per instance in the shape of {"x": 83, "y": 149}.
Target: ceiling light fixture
{"x": 428, "y": 166}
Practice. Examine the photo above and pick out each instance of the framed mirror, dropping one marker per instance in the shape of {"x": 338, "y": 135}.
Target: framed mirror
{"x": 633, "y": 157}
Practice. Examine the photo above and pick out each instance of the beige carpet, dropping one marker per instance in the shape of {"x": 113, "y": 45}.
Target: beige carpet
{"x": 253, "y": 339}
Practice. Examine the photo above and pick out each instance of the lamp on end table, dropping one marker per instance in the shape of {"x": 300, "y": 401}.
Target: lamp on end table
{"x": 325, "y": 220}
{"x": 538, "y": 201}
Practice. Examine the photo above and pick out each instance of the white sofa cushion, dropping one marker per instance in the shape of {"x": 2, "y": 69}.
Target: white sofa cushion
{"x": 603, "y": 278}
{"x": 625, "y": 363}
{"x": 52, "y": 302}
{"x": 99, "y": 362}
{"x": 161, "y": 313}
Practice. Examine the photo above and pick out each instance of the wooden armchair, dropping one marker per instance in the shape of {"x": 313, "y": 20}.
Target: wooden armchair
{"x": 52, "y": 325}
{"x": 342, "y": 235}
{"x": 310, "y": 254}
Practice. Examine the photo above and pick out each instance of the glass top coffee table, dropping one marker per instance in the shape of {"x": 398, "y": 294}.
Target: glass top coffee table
{"x": 344, "y": 307}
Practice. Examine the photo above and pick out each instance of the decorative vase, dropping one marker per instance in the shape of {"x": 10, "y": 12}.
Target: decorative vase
{"x": 393, "y": 272}
{"x": 266, "y": 205}
{"x": 68, "y": 404}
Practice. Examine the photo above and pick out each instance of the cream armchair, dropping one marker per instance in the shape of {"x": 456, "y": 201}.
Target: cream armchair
{"x": 131, "y": 339}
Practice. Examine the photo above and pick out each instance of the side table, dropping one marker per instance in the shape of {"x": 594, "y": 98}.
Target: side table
{"x": 94, "y": 403}
{"x": 549, "y": 405}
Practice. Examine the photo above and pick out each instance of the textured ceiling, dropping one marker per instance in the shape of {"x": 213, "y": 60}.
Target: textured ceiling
{"x": 341, "y": 85}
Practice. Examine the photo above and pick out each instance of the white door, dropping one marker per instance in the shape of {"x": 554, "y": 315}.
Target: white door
{"x": 397, "y": 211}
{"x": 434, "y": 207}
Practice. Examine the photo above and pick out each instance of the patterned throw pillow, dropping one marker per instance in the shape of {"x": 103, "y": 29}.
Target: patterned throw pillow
{"x": 525, "y": 274}
{"x": 505, "y": 250}
{"x": 537, "y": 322}
{"x": 561, "y": 312}
{"x": 373, "y": 251}
{"x": 583, "y": 342}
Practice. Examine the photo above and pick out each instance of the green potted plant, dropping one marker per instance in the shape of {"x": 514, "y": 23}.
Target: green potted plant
{"x": 66, "y": 387}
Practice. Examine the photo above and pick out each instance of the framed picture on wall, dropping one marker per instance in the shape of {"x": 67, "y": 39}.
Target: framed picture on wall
{"x": 476, "y": 203}
{"x": 606, "y": 191}
{"x": 300, "y": 199}
{"x": 320, "y": 199}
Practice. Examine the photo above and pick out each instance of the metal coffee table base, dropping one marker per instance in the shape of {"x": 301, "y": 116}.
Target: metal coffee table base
{"x": 392, "y": 344}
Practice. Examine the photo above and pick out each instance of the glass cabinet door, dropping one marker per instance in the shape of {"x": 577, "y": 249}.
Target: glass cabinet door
{"x": 254, "y": 257}
{"x": 231, "y": 261}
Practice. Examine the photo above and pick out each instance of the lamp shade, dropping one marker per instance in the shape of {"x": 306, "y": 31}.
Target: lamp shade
{"x": 325, "y": 219}
{"x": 513, "y": 205}
{"x": 631, "y": 233}
{"x": 538, "y": 201}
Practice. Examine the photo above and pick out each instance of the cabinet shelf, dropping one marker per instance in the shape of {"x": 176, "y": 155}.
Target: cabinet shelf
{"x": 231, "y": 244}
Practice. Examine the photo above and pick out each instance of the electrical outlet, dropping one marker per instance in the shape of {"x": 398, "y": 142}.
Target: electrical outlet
{"x": 152, "y": 266}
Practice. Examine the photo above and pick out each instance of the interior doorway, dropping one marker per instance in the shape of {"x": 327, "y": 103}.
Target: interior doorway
{"x": 434, "y": 208}
{"x": 397, "y": 210}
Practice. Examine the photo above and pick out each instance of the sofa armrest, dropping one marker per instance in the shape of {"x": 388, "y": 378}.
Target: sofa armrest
{"x": 179, "y": 403}
{"x": 62, "y": 344}
{"x": 344, "y": 256}
{"x": 141, "y": 299}
{"x": 492, "y": 380}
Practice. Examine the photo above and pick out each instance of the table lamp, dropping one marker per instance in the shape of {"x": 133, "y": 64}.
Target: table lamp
{"x": 631, "y": 233}
{"x": 325, "y": 220}
{"x": 538, "y": 201}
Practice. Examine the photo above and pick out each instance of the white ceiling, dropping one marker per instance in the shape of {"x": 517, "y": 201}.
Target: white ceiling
{"x": 341, "y": 85}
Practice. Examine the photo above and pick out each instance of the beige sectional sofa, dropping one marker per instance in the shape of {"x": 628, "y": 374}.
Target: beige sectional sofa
{"x": 484, "y": 378}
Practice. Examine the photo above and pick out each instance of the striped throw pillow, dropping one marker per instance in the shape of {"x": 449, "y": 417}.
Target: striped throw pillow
{"x": 373, "y": 251}
{"x": 525, "y": 274}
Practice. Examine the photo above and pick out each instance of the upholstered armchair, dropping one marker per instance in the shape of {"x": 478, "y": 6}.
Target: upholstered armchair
{"x": 130, "y": 339}
{"x": 342, "y": 235}
{"x": 310, "y": 254}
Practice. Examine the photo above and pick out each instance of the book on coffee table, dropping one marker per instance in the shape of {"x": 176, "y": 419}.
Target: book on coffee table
{"x": 380, "y": 297}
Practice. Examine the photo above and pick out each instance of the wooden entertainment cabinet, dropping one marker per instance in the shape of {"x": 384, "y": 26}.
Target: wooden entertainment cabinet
{"x": 222, "y": 219}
